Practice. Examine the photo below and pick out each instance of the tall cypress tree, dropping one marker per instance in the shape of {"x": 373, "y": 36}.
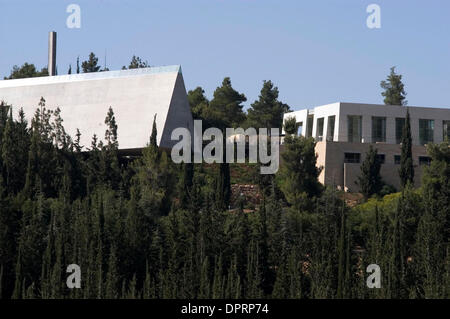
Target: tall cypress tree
{"x": 370, "y": 179}
{"x": 406, "y": 170}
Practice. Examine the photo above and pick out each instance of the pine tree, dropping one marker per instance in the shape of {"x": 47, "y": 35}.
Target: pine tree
{"x": 90, "y": 65}
{"x": 225, "y": 109}
{"x": 394, "y": 89}
{"x": 199, "y": 103}
{"x": 267, "y": 111}
{"x": 137, "y": 63}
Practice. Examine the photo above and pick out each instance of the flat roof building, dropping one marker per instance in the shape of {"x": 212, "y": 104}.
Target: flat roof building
{"x": 135, "y": 95}
{"x": 344, "y": 131}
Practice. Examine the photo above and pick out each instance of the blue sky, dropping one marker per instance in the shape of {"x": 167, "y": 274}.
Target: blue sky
{"x": 316, "y": 52}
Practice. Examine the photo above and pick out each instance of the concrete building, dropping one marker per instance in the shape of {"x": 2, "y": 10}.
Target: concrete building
{"x": 344, "y": 131}
{"x": 135, "y": 96}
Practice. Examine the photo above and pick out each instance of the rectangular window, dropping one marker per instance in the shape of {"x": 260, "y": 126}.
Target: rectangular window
{"x": 378, "y": 129}
{"x": 397, "y": 159}
{"x": 426, "y": 131}
{"x": 309, "y": 125}
{"x": 399, "y": 125}
{"x": 330, "y": 129}
{"x": 381, "y": 158}
{"x": 352, "y": 157}
{"x": 319, "y": 132}
{"x": 354, "y": 128}
{"x": 446, "y": 130}
{"x": 299, "y": 128}
{"x": 424, "y": 160}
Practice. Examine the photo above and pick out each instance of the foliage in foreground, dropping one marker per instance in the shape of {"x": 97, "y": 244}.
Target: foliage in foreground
{"x": 145, "y": 228}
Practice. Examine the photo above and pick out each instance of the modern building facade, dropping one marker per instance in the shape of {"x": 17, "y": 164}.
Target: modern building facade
{"x": 84, "y": 99}
{"x": 344, "y": 131}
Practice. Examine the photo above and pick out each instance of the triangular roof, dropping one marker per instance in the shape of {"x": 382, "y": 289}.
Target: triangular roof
{"x": 135, "y": 96}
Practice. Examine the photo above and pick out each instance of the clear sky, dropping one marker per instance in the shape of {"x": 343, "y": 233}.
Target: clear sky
{"x": 316, "y": 51}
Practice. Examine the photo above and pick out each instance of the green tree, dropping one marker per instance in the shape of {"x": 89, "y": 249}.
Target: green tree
{"x": 290, "y": 125}
{"x": 267, "y": 111}
{"x": 225, "y": 109}
{"x": 137, "y": 63}
{"x": 26, "y": 71}
{"x": 198, "y": 102}
{"x": 394, "y": 89}
{"x": 406, "y": 171}
{"x": 370, "y": 181}
{"x": 90, "y": 65}
{"x": 298, "y": 174}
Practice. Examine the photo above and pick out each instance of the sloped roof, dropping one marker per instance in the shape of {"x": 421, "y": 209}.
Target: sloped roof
{"x": 135, "y": 96}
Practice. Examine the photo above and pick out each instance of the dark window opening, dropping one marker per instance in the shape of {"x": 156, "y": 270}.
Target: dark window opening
{"x": 309, "y": 125}
{"x": 352, "y": 158}
{"x": 424, "y": 160}
{"x": 399, "y": 125}
{"x": 426, "y": 131}
{"x": 330, "y": 129}
{"x": 397, "y": 159}
{"x": 381, "y": 158}
{"x": 378, "y": 129}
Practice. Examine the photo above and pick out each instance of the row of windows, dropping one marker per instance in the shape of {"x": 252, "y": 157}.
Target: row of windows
{"x": 320, "y": 127}
{"x": 356, "y": 158}
{"x": 426, "y": 129}
{"x": 354, "y": 129}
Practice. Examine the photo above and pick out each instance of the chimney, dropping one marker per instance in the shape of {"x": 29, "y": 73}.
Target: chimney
{"x": 52, "y": 53}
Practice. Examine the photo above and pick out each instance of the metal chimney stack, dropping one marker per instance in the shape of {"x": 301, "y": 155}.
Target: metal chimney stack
{"x": 52, "y": 53}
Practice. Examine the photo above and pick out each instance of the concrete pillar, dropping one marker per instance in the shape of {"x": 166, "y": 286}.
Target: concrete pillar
{"x": 52, "y": 53}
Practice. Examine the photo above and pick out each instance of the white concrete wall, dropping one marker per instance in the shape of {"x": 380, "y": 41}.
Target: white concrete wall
{"x": 84, "y": 99}
{"x": 367, "y": 111}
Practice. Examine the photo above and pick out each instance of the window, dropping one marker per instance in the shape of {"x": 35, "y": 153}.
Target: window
{"x": 399, "y": 125}
{"x": 397, "y": 159}
{"x": 354, "y": 128}
{"x": 309, "y": 125}
{"x": 446, "y": 130}
{"x": 378, "y": 129}
{"x": 319, "y": 132}
{"x": 299, "y": 128}
{"x": 424, "y": 160}
{"x": 381, "y": 158}
{"x": 330, "y": 129}
{"x": 426, "y": 131}
{"x": 352, "y": 157}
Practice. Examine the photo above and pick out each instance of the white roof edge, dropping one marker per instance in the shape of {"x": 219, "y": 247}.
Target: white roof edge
{"x": 89, "y": 76}
{"x": 371, "y": 104}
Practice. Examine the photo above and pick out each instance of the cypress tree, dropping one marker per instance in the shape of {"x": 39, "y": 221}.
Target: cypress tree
{"x": 406, "y": 170}
{"x": 370, "y": 179}
{"x": 112, "y": 279}
{"x": 153, "y": 136}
